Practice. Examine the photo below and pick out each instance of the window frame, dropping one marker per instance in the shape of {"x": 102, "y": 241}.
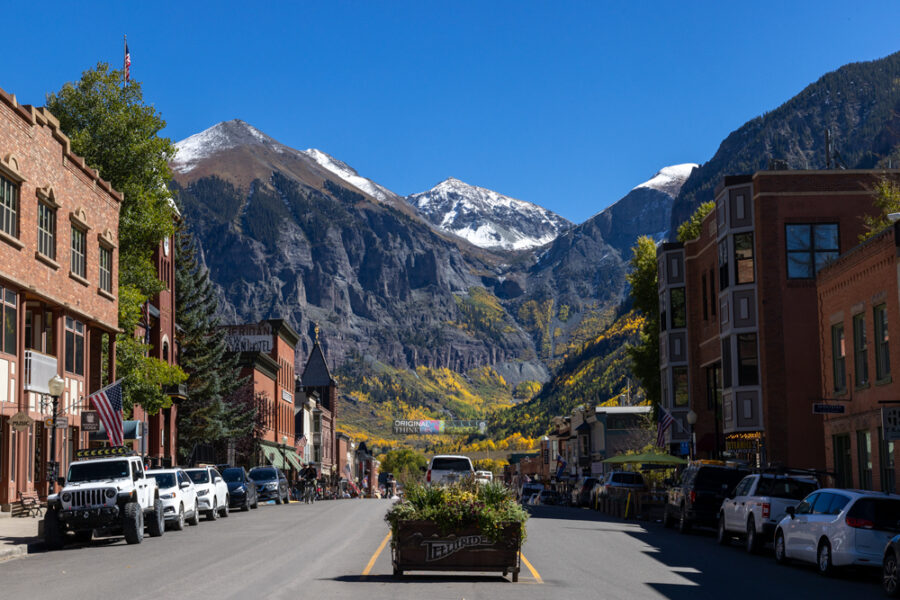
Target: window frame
{"x": 744, "y": 255}
{"x": 105, "y": 272}
{"x": 78, "y": 255}
{"x": 812, "y": 252}
{"x": 46, "y": 234}
{"x": 9, "y": 312}
{"x": 860, "y": 351}
{"x": 839, "y": 358}
{"x": 678, "y": 307}
{"x": 744, "y": 362}
{"x": 74, "y": 331}
{"x": 882, "y": 340}
{"x": 10, "y": 195}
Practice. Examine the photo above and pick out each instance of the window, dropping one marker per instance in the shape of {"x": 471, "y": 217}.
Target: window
{"x": 705, "y": 297}
{"x": 886, "y": 462}
{"x": 864, "y": 456}
{"x": 726, "y": 362}
{"x": 809, "y": 247}
{"x": 723, "y": 265}
{"x": 106, "y": 269}
{"x": 714, "y": 388}
{"x": 860, "y": 352}
{"x": 679, "y": 317}
{"x": 713, "y": 299}
{"x": 79, "y": 252}
{"x": 74, "y": 346}
{"x": 680, "y": 385}
{"x": 842, "y": 461}
{"x": 839, "y": 358}
{"x": 748, "y": 365}
{"x": 10, "y": 321}
{"x": 46, "y": 230}
{"x": 743, "y": 257}
{"x": 662, "y": 312}
{"x": 882, "y": 353}
{"x": 9, "y": 207}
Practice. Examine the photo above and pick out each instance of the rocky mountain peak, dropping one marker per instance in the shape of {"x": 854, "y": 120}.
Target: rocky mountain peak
{"x": 669, "y": 179}
{"x": 221, "y": 136}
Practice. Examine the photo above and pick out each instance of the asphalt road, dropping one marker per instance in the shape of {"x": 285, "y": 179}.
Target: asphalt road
{"x": 322, "y": 551}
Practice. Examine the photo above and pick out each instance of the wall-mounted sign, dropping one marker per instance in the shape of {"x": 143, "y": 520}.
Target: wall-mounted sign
{"x": 90, "y": 421}
{"x": 829, "y": 409}
{"x": 249, "y": 338}
{"x": 890, "y": 423}
{"x": 287, "y": 396}
{"x": 20, "y": 421}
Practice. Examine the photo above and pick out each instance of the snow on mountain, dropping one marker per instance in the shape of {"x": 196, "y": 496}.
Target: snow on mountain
{"x": 349, "y": 174}
{"x": 670, "y": 179}
{"x": 486, "y": 218}
{"x": 222, "y": 136}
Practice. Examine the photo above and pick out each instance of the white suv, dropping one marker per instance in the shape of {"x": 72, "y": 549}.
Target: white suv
{"x": 212, "y": 491}
{"x": 179, "y": 497}
{"x": 446, "y": 468}
{"x": 832, "y": 528}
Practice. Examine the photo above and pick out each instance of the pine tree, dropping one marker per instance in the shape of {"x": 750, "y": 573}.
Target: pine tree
{"x": 210, "y": 414}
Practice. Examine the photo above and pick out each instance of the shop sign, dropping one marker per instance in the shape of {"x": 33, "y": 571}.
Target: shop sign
{"x": 20, "y": 421}
{"x": 90, "y": 421}
{"x": 829, "y": 409}
{"x": 61, "y": 422}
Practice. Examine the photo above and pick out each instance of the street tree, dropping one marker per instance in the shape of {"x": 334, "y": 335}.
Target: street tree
{"x": 644, "y": 285}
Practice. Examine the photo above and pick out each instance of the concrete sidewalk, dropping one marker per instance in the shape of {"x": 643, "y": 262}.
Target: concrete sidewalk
{"x": 19, "y": 535}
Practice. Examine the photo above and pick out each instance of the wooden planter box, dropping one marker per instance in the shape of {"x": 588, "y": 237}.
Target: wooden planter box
{"x": 421, "y": 546}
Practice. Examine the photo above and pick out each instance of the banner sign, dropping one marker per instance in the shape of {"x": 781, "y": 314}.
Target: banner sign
{"x": 431, "y": 427}
{"x": 249, "y": 338}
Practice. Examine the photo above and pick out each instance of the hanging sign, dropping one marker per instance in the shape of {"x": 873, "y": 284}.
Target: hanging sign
{"x": 20, "y": 421}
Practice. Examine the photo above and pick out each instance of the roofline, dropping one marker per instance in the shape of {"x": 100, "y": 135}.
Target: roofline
{"x": 285, "y": 331}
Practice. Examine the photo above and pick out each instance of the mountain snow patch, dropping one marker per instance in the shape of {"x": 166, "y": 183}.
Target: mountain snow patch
{"x": 670, "y": 178}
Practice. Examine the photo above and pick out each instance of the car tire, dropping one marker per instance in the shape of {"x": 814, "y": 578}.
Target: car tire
{"x": 890, "y": 577}
{"x": 824, "y": 562}
{"x": 54, "y": 538}
{"x": 751, "y": 538}
{"x": 780, "y": 549}
{"x": 255, "y": 503}
{"x": 178, "y": 525}
{"x": 246, "y": 505}
{"x": 84, "y": 537}
{"x": 157, "y": 525}
{"x": 667, "y": 518}
{"x": 684, "y": 526}
{"x": 133, "y": 523}
{"x": 721, "y": 535}
{"x": 213, "y": 513}
{"x": 224, "y": 513}
{"x": 278, "y": 499}
{"x": 195, "y": 518}
{"x": 287, "y": 498}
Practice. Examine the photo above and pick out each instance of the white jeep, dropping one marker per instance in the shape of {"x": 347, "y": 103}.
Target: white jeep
{"x": 106, "y": 495}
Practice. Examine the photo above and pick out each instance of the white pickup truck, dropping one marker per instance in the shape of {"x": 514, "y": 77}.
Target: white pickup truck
{"x": 758, "y": 503}
{"x": 447, "y": 468}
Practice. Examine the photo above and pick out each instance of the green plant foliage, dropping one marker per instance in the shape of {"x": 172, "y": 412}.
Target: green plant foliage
{"x": 406, "y": 464}
{"x": 645, "y": 293}
{"x": 690, "y": 229}
{"x": 483, "y": 315}
{"x": 887, "y": 201}
{"x": 526, "y": 390}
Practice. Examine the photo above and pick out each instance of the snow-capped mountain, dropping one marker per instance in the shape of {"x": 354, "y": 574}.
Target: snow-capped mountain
{"x": 670, "y": 179}
{"x": 219, "y": 138}
{"x": 349, "y": 174}
{"x": 486, "y": 218}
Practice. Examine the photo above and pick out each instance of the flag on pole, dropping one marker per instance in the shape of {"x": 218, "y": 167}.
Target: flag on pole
{"x": 108, "y": 404}
{"x": 127, "y": 61}
{"x": 665, "y": 421}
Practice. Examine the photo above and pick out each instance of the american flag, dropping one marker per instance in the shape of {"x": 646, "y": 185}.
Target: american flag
{"x": 301, "y": 441}
{"x": 127, "y": 62}
{"x": 665, "y": 421}
{"x": 108, "y": 403}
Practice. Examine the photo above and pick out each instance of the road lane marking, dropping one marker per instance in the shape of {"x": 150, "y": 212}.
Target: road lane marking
{"x": 531, "y": 568}
{"x": 375, "y": 556}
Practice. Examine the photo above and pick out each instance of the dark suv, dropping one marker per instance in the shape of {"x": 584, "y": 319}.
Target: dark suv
{"x": 241, "y": 489}
{"x": 697, "y": 498}
{"x": 271, "y": 484}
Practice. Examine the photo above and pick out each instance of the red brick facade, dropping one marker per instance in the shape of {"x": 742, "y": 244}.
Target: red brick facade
{"x": 59, "y": 274}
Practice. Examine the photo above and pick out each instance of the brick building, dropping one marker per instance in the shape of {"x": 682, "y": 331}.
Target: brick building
{"x": 858, "y": 306}
{"x": 58, "y": 291}
{"x": 267, "y": 354}
{"x": 750, "y": 311}
{"x": 318, "y": 387}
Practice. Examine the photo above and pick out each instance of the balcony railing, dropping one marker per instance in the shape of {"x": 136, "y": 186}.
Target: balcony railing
{"x": 39, "y": 369}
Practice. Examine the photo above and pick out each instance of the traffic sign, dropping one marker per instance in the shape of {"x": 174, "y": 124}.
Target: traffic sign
{"x": 829, "y": 409}
{"x": 48, "y": 422}
{"x": 890, "y": 423}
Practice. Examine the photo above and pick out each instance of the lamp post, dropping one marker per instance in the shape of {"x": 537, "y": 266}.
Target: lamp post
{"x": 284, "y": 461}
{"x": 691, "y": 419}
{"x": 56, "y": 385}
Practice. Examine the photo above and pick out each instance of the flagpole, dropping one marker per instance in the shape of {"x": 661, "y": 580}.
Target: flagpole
{"x": 124, "y": 59}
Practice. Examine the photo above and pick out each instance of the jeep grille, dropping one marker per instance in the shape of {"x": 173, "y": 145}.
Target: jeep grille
{"x": 89, "y": 498}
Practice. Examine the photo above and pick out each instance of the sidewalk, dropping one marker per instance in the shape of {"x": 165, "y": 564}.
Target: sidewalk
{"x": 19, "y": 535}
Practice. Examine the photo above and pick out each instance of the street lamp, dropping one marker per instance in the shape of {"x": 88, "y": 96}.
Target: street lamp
{"x": 691, "y": 419}
{"x": 284, "y": 461}
{"x": 55, "y": 386}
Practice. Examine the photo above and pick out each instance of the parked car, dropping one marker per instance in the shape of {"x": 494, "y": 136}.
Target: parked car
{"x": 890, "y": 575}
{"x": 832, "y": 528}
{"x": 757, "y": 505}
{"x": 581, "y": 493}
{"x": 484, "y": 476}
{"x": 179, "y": 497}
{"x": 617, "y": 482}
{"x": 447, "y": 468}
{"x": 549, "y": 497}
{"x": 697, "y": 499}
{"x": 212, "y": 491}
{"x": 241, "y": 489}
{"x": 271, "y": 484}
{"x": 528, "y": 490}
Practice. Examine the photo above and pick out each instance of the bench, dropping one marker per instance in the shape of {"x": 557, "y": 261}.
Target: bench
{"x": 30, "y": 504}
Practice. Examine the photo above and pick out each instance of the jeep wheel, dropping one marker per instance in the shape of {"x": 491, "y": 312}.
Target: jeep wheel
{"x": 53, "y": 533}
{"x": 212, "y": 514}
{"x": 751, "y": 540}
{"x": 133, "y": 523}
{"x": 157, "y": 525}
{"x": 84, "y": 537}
{"x": 195, "y": 518}
{"x": 178, "y": 525}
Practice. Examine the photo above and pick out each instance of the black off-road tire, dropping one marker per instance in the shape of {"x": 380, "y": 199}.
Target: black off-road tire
{"x": 157, "y": 523}
{"x": 133, "y": 523}
{"x": 54, "y": 536}
{"x": 195, "y": 518}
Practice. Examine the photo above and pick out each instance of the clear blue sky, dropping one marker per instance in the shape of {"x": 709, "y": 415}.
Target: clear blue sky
{"x": 565, "y": 104}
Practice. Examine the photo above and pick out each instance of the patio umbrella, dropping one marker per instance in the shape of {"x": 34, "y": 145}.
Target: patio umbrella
{"x": 656, "y": 458}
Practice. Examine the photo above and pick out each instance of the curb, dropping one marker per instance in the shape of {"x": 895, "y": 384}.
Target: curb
{"x": 13, "y": 551}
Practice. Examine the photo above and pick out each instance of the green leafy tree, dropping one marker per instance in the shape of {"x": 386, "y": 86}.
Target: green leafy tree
{"x": 404, "y": 463}
{"x": 644, "y": 290}
{"x": 690, "y": 229}
{"x": 887, "y": 200}
{"x": 117, "y": 134}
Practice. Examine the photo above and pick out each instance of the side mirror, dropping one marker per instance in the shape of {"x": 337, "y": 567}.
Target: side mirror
{"x": 791, "y": 511}
{"x": 185, "y": 485}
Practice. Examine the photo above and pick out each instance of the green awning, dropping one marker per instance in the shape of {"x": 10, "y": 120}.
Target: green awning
{"x": 273, "y": 456}
{"x": 294, "y": 460}
{"x": 646, "y": 457}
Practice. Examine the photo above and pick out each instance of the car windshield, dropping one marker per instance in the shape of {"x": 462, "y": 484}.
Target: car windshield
{"x": 97, "y": 471}
{"x": 451, "y": 464}
{"x": 712, "y": 478}
{"x": 232, "y": 475}
{"x": 262, "y": 474}
{"x": 198, "y": 475}
{"x": 164, "y": 480}
{"x": 785, "y": 487}
{"x": 884, "y": 513}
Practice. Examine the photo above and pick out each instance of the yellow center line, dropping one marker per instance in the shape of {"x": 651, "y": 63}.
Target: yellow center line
{"x": 531, "y": 568}
{"x": 375, "y": 556}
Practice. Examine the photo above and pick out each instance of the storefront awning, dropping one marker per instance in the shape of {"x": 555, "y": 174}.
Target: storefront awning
{"x": 293, "y": 460}
{"x": 273, "y": 456}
